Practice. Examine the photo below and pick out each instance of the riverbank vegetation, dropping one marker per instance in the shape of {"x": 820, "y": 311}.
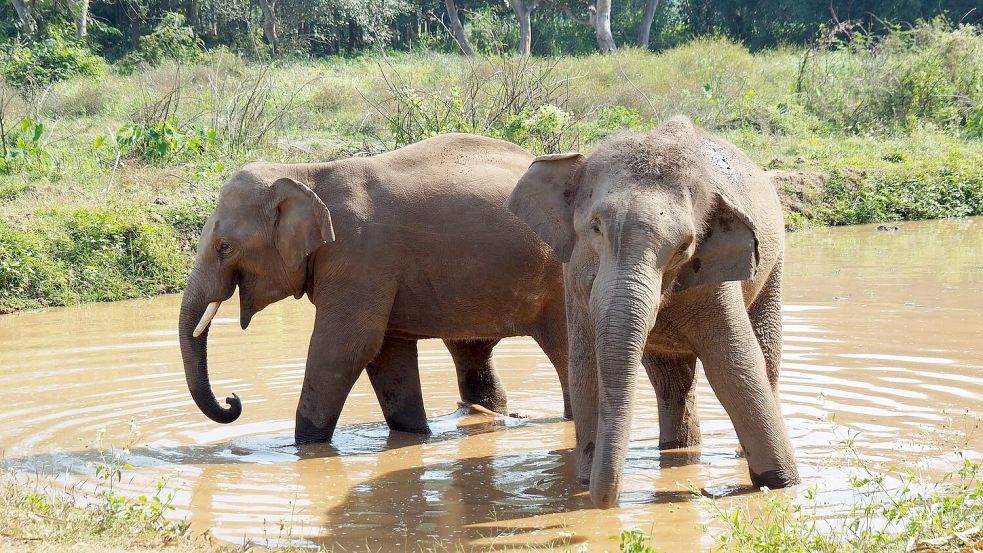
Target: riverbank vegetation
{"x": 108, "y": 171}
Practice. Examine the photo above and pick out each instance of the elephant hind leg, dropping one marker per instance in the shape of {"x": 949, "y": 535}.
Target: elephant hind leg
{"x": 552, "y": 338}
{"x": 766, "y": 320}
{"x": 395, "y": 377}
{"x": 674, "y": 379}
{"x": 477, "y": 380}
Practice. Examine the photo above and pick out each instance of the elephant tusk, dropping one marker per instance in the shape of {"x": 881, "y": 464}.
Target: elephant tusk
{"x": 206, "y": 318}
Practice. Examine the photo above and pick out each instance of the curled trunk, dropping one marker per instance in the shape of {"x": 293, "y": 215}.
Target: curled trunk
{"x": 194, "y": 353}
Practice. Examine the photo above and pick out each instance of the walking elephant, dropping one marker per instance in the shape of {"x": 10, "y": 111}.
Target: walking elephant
{"x": 393, "y": 248}
{"x": 672, "y": 244}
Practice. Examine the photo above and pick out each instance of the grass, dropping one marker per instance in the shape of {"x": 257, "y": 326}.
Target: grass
{"x": 107, "y": 179}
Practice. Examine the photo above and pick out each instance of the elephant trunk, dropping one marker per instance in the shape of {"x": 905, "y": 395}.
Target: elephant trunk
{"x": 625, "y": 317}
{"x": 194, "y": 352}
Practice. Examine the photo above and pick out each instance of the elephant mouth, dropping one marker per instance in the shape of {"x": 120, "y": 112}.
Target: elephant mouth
{"x": 247, "y": 304}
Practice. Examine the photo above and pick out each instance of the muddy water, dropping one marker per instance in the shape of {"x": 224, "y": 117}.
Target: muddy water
{"x": 883, "y": 338}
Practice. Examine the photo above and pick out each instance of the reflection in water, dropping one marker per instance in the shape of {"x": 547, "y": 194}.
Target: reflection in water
{"x": 882, "y": 332}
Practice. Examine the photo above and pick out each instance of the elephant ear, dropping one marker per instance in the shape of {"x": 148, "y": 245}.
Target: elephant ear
{"x": 303, "y": 222}
{"x": 543, "y": 199}
{"x": 727, "y": 250}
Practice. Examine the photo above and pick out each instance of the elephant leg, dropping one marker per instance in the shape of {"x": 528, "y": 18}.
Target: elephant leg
{"x": 341, "y": 346}
{"x": 583, "y": 386}
{"x": 552, "y": 338}
{"x": 674, "y": 380}
{"x": 477, "y": 380}
{"x": 735, "y": 367}
{"x": 395, "y": 377}
{"x": 766, "y": 320}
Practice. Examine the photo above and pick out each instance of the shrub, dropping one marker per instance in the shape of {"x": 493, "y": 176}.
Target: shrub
{"x": 519, "y": 100}
{"x": 23, "y": 147}
{"x": 171, "y": 39}
{"x": 86, "y": 255}
{"x": 929, "y": 74}
{"x": 159, "y": 141}
{"x": 57, "y": 57}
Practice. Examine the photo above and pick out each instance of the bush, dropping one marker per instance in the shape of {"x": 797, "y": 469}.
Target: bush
{"x": 57, "y": 57}
{"x": 23, "y": 147}
{"x": 85, "y": 255}
{"x": 159, "y": 141}
{"x": 928, "y": 74}
{"x": 171, "y": 39}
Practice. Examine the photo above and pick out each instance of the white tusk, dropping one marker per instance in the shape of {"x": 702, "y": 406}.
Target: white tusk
{"x": 210, "y": 312}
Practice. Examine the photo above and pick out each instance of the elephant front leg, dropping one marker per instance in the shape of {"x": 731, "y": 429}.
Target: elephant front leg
{"x": 674, "y": 380}
{"x": 735, "y": 367}
{"x": 582, "y": 373}
{"x": 477, "y": 380}
{"x": 395, "y": 377}
{"x": 337, "y": 355}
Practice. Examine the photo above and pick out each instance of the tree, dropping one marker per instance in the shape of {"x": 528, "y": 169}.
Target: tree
{"x": 602, "y": 27}
{"x": 27, "y": 22}
{"x": 458, "y": 29}
{"x": 81, "y": 15}
{"x": 599, "y": 17}
{"x": 523, "y": 10}
{"x": 645, "y": 27}
{"x": 269, "y": 22}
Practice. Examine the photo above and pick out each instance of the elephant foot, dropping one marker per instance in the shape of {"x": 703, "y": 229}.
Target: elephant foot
{"x": 684, "y": 443}
{"x": 775, "y": 479}
{"x": 306, "y": 432}
{"x": 411, "y": 428}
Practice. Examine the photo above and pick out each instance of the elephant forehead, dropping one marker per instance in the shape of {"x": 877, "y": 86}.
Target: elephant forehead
{"x": 720, "y": 159}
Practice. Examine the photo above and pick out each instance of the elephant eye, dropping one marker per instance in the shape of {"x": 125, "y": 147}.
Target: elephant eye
{"x": 595, "y": 225}
{"x": 224, "y": 249}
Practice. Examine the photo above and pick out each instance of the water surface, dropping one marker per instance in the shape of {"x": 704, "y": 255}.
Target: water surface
{"x": 882, "y": 341}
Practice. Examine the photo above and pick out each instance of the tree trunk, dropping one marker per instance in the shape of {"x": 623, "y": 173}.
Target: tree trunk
{"x": 458, "y": 29}
{"x": 27, "y": 22}
{"x": 523, "y": 11}
{"x": 602, "y": 27}
{"x": 82, "y": 18}
{"x": 646, "y": 25}
{"x": 269, "y": 22}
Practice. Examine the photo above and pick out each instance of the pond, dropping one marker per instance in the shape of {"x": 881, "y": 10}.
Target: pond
{"x": 883, "y": 342}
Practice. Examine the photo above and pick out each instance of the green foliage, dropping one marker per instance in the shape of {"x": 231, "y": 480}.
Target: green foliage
{"x": 24, "y": 147}
{"x": 88, "y": 255}
{"x": 905, "y": 193}
{"x": 633, "y": 541}
{"x": 156, "y": 142}
{"x": 57, "y": 57}
{"x": 882, "y": 517}
{"x": 608, "y": 120}
{"x": 929, "y": 74}
{"x": 515, "y": 100}
{"x": 171, "y": 39}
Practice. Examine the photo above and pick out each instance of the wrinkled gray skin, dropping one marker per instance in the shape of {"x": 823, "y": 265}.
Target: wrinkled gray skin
{"x": 390, "y": 249}
{"x": 673, "y": 244}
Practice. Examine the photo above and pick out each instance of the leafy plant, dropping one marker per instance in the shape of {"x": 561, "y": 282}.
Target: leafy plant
{"x": 56, "y": 57}
{"x": 171, "y": 39}
{"x": 23, "y": 148}
{"x": 633, "y": 541}
{"x": 160, "y": 141}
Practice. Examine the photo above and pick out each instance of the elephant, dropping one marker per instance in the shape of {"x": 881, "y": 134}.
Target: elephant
{"x": 393, "y": 248}
{"x": 672, "y": 244}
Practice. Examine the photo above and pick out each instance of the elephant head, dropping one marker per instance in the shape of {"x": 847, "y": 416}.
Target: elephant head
{"x": 648, "y": 216}
{"x": 259, "y": 239}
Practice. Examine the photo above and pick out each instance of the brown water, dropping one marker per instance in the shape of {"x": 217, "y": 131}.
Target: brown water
{"x": 883, "y": 334}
